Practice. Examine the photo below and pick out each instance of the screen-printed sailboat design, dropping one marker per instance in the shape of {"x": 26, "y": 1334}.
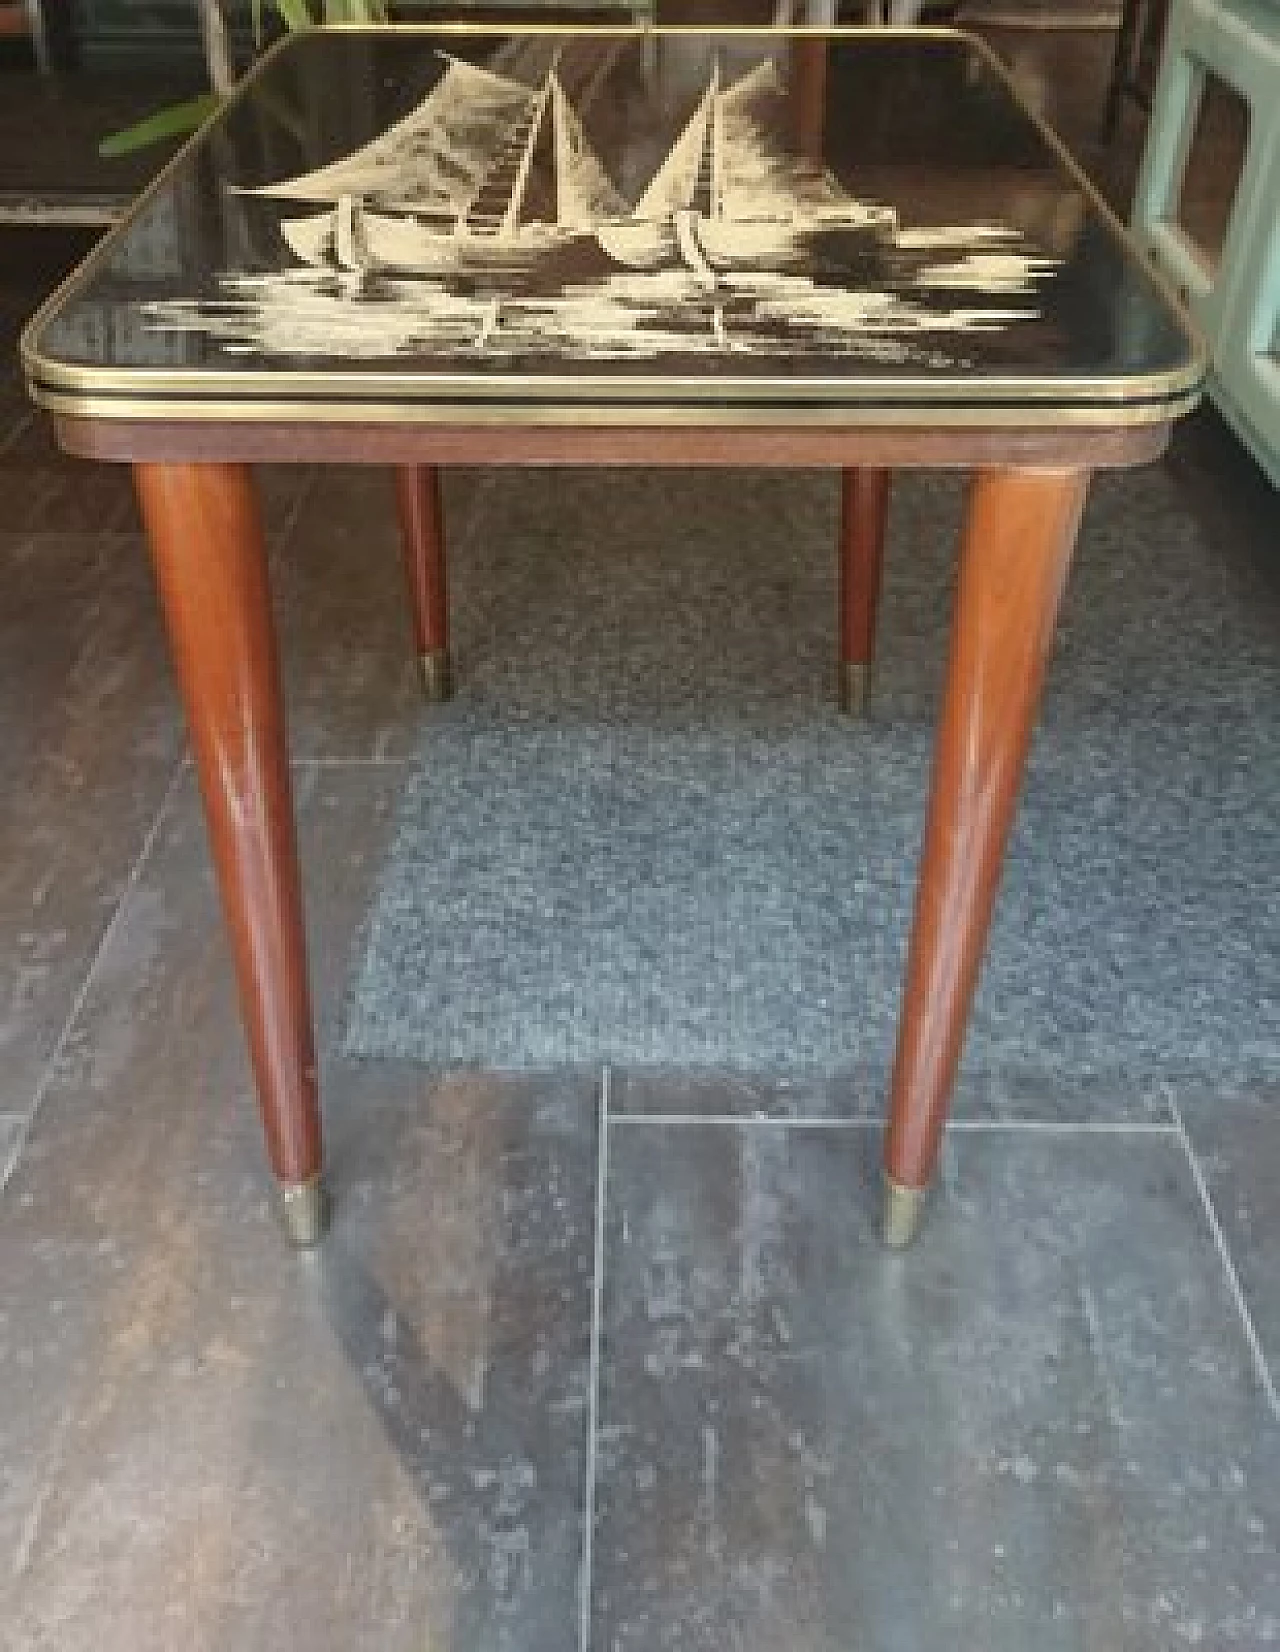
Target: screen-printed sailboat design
{"x": 486, "y": 173}
{"x": 484, "y": 224}
{"x": 729, "y": 196}
{"x": 490, "y": 174}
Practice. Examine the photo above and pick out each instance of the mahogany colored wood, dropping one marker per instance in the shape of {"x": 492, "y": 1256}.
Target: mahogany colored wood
{"x": 1021, "y": 525}
{"x": 1019, "y": 533}
{"x": 864, "y": 514}
{"x": 210, "y": 563}
{"x": 422, "y": 540}
{"x": 831, "y": 445}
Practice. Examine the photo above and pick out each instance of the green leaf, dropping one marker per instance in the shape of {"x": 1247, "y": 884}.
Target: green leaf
{"x": 296, "y": 13}
{"x": 177, "y": 121}
{"x": 355, "y": 11}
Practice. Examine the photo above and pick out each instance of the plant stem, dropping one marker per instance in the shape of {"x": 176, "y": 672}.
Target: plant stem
{"x": 217, "y": 48}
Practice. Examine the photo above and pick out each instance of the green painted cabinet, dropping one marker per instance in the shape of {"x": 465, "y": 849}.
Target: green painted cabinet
{"x": 1237, "y": 300}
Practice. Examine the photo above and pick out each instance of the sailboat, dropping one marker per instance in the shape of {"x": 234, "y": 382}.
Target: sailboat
{"x": 730, "y": 196}
{"x": 458, "y": 186}
{"x": 488, "y": 175}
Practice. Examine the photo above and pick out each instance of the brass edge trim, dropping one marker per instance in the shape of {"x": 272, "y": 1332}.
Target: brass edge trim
{"x": 709, "y": 416}
{"x": 853, "y": 686}
{"x": 1076, "y": 390}
{"x": 435, "y": 674}
{"x": 41, "y": 372}
{"x": 304, "y": 1211}
{"x": 902, "y": 1212}
{"x": 461, "y": 26}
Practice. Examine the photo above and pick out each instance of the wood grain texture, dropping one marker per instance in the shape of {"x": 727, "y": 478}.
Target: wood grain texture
{"x": 1019, "y": 533}
{"x": 422, "y": 541}
{"x": 835, "y": 446}
{"x": 207, "y": 549}
{"x": 864, "y": 513}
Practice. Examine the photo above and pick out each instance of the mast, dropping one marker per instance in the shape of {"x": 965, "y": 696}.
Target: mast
{"x": 675, "y": 182}
{"x": 494, "y": 207}
{"x": 704, "y": 193}
{"x": 560, "y": 125}
{"x": 511, "y": 217}
{"x": 716, "y": 180}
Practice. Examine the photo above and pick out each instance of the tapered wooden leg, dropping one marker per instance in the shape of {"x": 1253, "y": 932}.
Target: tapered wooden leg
{"x": 207, "y": 548}
{"x": 422, "y": 539}
{"x": 1018, "y": 538}
{"x": 863, "y": 515}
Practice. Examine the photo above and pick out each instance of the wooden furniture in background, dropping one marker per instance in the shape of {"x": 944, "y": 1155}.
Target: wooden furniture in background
{"x": 24, "y": 19}
{"x": 1133, "y": 64}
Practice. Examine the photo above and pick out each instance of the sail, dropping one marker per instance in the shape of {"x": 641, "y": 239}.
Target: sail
{"x": 584, "y": 194}
{"x": 672, "y": 185}
{"x": 757, "y": 176}
{"x": 496, "y": 205}
{"x": 435, "y": 158}
{"x": 706, "y": 183}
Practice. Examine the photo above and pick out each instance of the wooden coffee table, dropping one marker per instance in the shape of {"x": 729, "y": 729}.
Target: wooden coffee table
{"x": 750, "y": 248}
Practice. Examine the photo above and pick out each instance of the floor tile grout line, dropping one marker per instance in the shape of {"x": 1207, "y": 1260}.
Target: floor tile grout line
{"x": 10, "y": 1161}
{"x": 808, "y": 1121}
{"x": 746, "y": 1120}
{"x": 1261, "y": 1367}
{"x": 593, "y": 1369}
{"x": 82, "y": 992}
{"x": 1071, "y": 1127}
{"x": 351, "y": 762}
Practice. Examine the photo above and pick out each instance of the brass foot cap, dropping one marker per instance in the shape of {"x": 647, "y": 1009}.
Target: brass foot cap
{"x": 304, "y": 1212}
{"x": 903, "y": 1208}
{"x": 855, "y": 686}
{"x": 436, "y": 674}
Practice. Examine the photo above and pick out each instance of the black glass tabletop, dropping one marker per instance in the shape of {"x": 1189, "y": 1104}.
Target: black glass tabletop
{"x": 861, "y": 224}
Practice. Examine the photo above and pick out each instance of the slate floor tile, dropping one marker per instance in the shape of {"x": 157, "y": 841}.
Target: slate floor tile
{"x": 10, "y": 1133}
{"x": 1238, "y": 1147}
{"x": 59, "y": 494}
{"x": 1042, "y": 1427}
{"x": 657, "y": 1092}
{"x": 45, "y": 490}
{"x": 91, "y": 734}
{"x": 210, "y": 1442}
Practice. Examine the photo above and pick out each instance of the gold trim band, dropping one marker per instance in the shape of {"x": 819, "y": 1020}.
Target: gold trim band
{"x": 574, "y": 388}
{"x": 705, "y": 416}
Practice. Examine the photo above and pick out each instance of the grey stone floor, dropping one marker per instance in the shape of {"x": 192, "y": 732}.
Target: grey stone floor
{"x": 592, "y": 1360}
{"x": 606, "y": 1360}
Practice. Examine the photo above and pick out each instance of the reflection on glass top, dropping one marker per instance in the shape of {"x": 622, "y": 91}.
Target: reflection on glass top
{"x": 689, "y": 214}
